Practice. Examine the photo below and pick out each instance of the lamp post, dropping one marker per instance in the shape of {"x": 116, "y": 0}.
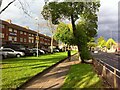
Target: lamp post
{"x": 37, "y": 35}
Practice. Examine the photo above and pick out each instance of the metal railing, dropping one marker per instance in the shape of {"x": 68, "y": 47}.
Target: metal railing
{"x": 108, "y": 73}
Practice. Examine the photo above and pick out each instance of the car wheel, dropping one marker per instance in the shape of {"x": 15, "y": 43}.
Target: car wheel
{"x": 18, "y": 55}
{"x": 3, "y": 57}
{"x": 34, "y": 54}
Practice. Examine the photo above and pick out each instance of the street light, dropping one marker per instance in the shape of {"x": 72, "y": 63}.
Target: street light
{"x": 37, "y": 38}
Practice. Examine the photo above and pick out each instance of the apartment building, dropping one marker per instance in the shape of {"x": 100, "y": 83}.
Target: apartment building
{"x": 12, "y": 33}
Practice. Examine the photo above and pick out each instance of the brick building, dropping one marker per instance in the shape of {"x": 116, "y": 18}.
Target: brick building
{"x": 12, "y": 33}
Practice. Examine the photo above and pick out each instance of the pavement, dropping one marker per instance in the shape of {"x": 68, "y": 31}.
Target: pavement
{"x": 53, "y": 78}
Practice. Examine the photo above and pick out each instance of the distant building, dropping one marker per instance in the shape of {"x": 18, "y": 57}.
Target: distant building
{"x": 16, "y": 34}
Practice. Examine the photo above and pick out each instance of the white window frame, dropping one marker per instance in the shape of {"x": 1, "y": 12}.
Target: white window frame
{"x": 15, "y": 31}
{"x": 21, "y": 39}
{"x": 15, "y": 38}
{"x": 21, "y": 32}
{"x": 25, "y": 33}
{"x": 10, "y": 29}
{"x": 10, "y": 38}
{"x": 25, "y": 40}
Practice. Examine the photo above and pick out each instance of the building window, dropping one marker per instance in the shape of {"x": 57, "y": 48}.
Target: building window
{"x": 10, "y": 38}
{"x": 10, "y": 29}
{"x": 3, "y": 26}
{"x": 21, "y": 32}
{"x": 29, "y": 41}
{"x": 15, "y": 31}
{"x": 15, "y": 38}
{"x": 29, "y": 34}
{"x": 21, "y": 39}
{"x": 25, "y": 33}
{"x": 32, "y": 34}
{"x": 32, "y": 41}
{"x": 25, "y": 40}
{"x": 3, "y": 35}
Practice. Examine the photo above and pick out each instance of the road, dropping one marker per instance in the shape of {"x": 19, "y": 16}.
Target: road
{"x": 109, "y": 58}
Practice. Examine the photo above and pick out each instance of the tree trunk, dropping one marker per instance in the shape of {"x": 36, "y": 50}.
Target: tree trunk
{"x": 78, "y": 45}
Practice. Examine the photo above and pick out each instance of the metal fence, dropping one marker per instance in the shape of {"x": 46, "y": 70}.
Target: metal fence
{"x": 108, "y": 73}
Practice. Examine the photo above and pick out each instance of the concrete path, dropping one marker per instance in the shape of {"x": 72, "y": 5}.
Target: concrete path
{"x": 53, "y": 78}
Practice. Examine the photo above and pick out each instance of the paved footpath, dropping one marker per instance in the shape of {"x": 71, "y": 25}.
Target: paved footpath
{"x": 54, "y": 78}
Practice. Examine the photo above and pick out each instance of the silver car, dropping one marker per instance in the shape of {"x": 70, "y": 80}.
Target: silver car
{"x": 12, "y": 53}
{"x": 3, "y": 55}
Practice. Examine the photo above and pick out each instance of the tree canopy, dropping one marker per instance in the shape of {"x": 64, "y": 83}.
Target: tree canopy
{"x": 84, "y": 30}
{"x": 110, "y": 42}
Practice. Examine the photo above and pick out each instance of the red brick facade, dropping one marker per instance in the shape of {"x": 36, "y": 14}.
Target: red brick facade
{"x": 12, "y": 33}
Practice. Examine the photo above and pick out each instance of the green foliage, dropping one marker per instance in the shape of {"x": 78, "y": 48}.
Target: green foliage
{"x": 103, "y": 43}
{"x": 64, "y": 34}
{"x": 99, "y": 40}
{"x": 82, "y": 76}
{"x": 85, "y": 54}
{"x": 110, "y": 42}
{"x": 58, "y": 10}
{"x": 91, "y": 44}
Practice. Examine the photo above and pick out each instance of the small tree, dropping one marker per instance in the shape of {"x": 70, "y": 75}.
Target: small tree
{"x": 110, "y": 42}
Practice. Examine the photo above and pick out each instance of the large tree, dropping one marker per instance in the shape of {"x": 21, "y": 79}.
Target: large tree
{"x": 73, "y": 11}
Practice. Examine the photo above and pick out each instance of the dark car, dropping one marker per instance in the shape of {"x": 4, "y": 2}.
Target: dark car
{"x": 19, "y": 47}
{"x": 40, "y": 52}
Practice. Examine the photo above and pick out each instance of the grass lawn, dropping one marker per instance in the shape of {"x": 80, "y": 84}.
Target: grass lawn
{"x": 16, "y": 71}
{"x": 82, "y": 76}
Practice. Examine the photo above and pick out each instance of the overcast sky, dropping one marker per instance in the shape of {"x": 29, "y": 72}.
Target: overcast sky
{"x": 107, "y": 17}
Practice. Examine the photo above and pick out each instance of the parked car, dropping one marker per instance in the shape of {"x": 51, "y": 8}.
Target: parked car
{"x": 12, "y": 53}
{"x": 55, "y": 50}
{"x": 21, "y": 48}
{"x": 3, "y": 55}
{"x": 40, "y": 52}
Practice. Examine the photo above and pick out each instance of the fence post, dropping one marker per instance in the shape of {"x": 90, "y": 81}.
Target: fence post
{"x": 104, "y": 72}
{"x": 115, "y": 82}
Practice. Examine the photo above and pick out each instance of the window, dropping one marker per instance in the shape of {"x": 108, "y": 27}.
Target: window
{"x": 0, "y": 35}
{"x": 10, "y": 29}
{"x": 32, "y": 34}
{"x": 3, "y": 26}
{"x": 29, "y": 34}
{"x": 25, "y": 40}
{"x": 15, "y": 31}
{"x": 29, "y": 41}
{"x": 10, "y": 38}
{"x": 21, "y": 39}
{"x": 15, "y": 38}
{"x": 32, "y": 41}
{"x": 8, "y": 50}
{"x": 3, "y": 35}
{"x": 25, "y": 33}
{"x": 21, "y": 32}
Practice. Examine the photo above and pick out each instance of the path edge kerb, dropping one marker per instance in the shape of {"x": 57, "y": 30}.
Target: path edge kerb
{"x": 44, "y": 71}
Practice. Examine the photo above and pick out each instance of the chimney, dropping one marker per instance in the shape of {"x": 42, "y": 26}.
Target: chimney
{"x": 26, "y": 27}
{"x": 9, "y": 21}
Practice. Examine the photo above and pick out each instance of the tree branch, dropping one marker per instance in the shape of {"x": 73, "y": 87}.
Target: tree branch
{"x": 7, "y": 6}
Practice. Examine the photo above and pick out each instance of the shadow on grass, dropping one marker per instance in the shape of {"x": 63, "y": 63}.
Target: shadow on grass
{"x": 82, "y": 76}
{"x": 31, "y": 62}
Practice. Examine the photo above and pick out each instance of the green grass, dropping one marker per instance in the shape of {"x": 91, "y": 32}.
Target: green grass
{"x": 82, "y": 76}
{"x": 16, "y": 71}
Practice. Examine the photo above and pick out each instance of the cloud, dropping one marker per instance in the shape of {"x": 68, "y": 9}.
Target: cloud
{"x": 108, "y": 19}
